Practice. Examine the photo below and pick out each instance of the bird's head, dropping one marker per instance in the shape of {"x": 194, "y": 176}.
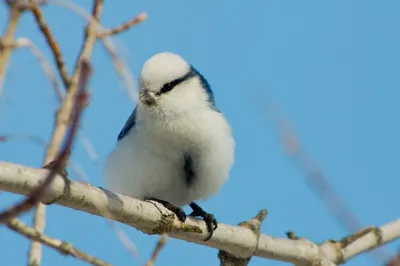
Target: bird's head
{"x": 168, "y": 84}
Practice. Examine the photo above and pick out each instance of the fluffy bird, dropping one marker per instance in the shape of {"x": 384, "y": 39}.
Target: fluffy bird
{"x": 176, "y": 147}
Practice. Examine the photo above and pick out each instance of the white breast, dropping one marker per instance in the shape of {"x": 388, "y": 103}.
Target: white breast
{"x": 149, "y": 160}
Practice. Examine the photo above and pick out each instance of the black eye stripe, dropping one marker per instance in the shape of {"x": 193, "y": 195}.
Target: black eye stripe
{"x": 170, "y": 85}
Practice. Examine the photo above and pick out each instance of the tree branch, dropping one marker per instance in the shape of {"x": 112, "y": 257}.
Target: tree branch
{"x": 151, "y": 218}
{"x": 160, "y": 244}
{"x": 127, "y": 25}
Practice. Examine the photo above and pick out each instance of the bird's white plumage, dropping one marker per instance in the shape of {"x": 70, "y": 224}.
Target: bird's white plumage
{"x": 149, "y": 160}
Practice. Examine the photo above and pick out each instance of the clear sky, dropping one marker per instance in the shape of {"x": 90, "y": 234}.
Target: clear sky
{"x": 331, "y": 66}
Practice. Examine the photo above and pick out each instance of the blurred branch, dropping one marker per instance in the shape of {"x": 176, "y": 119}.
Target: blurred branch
{"x": 395, "y": 261}
{"x": 61, "y": 246}
{"x": 160, "y": 244}
{"x": 127, "y": 25}
{"x": 152, "y": 219}
{"x": 8, "y": 36}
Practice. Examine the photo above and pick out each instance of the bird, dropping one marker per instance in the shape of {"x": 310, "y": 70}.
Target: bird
{"x": 176, "y": 147}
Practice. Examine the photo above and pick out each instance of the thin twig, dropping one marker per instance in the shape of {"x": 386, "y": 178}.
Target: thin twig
{"x": 51, "y": 41}
{"x": 127, "y": 25}
{"x": 160, "y": 244}
{"x": 59, "y": 245}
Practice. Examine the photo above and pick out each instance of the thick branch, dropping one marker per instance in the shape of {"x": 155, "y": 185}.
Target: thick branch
{"x": 154, "y": 219}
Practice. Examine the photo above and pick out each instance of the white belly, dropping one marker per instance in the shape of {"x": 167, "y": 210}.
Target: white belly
{"x": 145, "y": 164}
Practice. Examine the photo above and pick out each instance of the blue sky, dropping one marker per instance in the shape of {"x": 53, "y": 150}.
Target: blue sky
{"x": 331, "y": 66}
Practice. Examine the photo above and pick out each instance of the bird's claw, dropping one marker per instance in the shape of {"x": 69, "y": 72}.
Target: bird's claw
{"x": 208, "y": 218}
{"x": 180, "y": 214}
{"x": 178, "y": 211}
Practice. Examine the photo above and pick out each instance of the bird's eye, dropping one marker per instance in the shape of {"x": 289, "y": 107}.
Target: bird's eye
{"x": 167, "y": 87}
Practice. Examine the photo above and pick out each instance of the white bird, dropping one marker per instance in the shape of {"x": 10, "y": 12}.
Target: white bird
{"x": 176, "y": 147}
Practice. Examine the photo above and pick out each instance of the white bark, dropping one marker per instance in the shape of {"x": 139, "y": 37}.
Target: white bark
{"x": 151, "y": 218}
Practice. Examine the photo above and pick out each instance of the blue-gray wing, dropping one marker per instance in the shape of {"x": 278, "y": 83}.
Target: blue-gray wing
{"x": 129, "y": 124}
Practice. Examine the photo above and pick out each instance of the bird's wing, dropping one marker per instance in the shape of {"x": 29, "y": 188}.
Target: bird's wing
{"x": 207, "y": 88}
{"x": 129, "y": 124}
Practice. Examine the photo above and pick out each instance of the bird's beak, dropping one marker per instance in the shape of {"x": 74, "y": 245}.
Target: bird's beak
{"x": 147, "y": 97}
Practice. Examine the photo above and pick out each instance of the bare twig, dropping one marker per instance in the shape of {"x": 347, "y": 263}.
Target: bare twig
{"x": 160, "y": 244}
{"x": 51, "y": 41}
{"x": 5, "y": 52}
{"x": 127, "y": 25}
{"x": 32, "y": 138}
{"x": 61, "y": 246}
{"x": 147, "y": 218}
{"x": 62, "y": 157}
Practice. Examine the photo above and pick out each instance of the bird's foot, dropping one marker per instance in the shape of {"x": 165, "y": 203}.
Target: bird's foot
{"x": 175, "y": 209}
{"x": 208, "y": 218}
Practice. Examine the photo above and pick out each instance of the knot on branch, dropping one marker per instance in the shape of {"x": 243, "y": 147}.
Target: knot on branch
{"x": 254, "y": 224}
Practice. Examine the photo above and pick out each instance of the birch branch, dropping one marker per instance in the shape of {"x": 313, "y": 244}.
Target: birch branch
{"x": 152, "y": 218}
